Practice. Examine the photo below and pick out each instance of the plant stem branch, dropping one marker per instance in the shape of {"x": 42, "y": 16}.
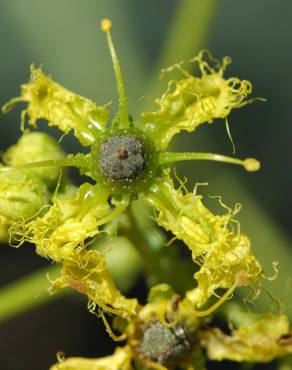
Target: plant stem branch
{"x": 27, "y": 293}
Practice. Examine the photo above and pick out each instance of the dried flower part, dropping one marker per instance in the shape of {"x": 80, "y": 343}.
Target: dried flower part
{"x": 232, "y": 261}
{"x": 264, "y": 340}
{"x": 35, "y": 147}
{"x": 60, "y": 107}
{"x": 221, "y": 252}
{"x": 194, "y": 100}
{"x": 21, "y": 197}
{"x": 120, "y": 360}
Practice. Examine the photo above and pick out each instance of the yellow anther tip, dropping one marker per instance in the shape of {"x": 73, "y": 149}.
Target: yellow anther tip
{"x": 251, "y": 164}
{"x": 106, "y": 25}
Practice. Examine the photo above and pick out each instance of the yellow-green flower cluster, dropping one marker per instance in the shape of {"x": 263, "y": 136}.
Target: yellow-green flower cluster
{"x": 125, "y": 161}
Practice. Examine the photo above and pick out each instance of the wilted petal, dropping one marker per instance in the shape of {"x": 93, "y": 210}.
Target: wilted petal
{"x": 222, "y": 252}
{"x": 62, "y": 108}
{"x": 193, "y": 100}
{"x": 120, "y": 360}
{"x": 66, "y": 224}
{"x": 264, "y": 340}
{"x": 86, "y": 272}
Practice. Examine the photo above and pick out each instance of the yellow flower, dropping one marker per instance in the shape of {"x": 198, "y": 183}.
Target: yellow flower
{"x": 127, "y": 160}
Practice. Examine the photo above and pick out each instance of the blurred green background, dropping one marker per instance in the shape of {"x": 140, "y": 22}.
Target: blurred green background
{"x": 64, "y": 37}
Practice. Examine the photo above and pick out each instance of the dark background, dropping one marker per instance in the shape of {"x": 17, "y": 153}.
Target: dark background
{"x": 64, "y": 37}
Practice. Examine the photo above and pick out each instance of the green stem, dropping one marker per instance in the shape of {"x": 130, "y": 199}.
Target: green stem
{"x": 139, "y": 237}
{"x": 162, "y": 263}
{"x": 120, "y": 208}
{"x": 69, "y": 162}
{"x": 27, "y": 293}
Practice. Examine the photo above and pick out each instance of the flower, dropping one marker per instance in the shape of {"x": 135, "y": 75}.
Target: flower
{"x": 128, "y": 160}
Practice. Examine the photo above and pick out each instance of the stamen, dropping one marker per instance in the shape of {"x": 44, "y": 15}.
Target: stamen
{"x": 240, "y": 279}
{"x": 122, "y": 118}
{"x": 79, "y": 161}
{"x": 120, "y": 208}
{"x": 216, "y": 305}
{"x": 69, "y": 162}
{"x": 116, "y": 338}
{"x": 249, "y": 164}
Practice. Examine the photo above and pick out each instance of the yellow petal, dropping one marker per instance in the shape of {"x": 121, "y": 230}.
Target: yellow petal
{"x": 193, "y": 100}
{"x": 120, "y": 360}
{"x": 87, "y": 273}
{"x": 222, "y": 252}
{"x": 66, "y": 224}
{"x": 264, "y": 340}
{"x": 60, "y": 107}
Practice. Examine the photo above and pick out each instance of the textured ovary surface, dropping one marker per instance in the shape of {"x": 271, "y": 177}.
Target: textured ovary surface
{"x": 122, "y": 157}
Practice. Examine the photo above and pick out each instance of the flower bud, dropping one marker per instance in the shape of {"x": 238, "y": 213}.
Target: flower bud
{"x": 36, "y": 147}
{"x": 21, "y": 197}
